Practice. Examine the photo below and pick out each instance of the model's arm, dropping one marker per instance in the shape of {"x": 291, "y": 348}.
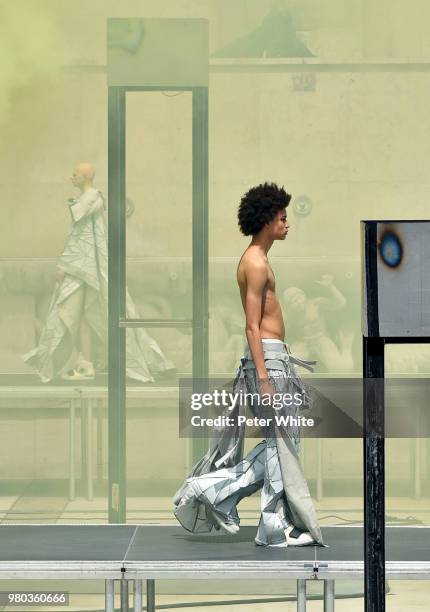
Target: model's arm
{"x": 81, "y": 208}
{"x": 256, "y": 276}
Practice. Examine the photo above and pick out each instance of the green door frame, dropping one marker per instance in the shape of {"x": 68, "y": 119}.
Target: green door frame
{"x": 117, "y": 321}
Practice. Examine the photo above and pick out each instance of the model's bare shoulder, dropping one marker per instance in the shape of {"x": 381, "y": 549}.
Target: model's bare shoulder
{"x": 252, "y": 273}
{"x": 254, "y": 270}
{"x": 253, "y": 261}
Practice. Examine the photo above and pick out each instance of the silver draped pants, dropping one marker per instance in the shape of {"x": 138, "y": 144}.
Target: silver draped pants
{"x": 224, "y": 476}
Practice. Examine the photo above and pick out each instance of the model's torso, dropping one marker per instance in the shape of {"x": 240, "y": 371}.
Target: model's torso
{"x": 271, "y": 322}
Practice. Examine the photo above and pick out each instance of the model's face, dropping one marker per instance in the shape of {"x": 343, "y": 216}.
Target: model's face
{"x": 78, "y": 177}
{"x": 279, "y": 226}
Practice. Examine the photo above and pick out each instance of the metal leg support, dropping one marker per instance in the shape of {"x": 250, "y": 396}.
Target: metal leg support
{"x": 150, "y": 596}
{"x": 329, "y": 596}
{"x": 124, "y": 595}
{"x": 89, "y": 453}
{"x": 99, "y": 441}
{"x": 110, "y": 595}
{"x": 83, "y": 412}
{"x": 320, "y": 476}
{"x": 301, "y": 595}
{"x": 417, "y": 460}
{"x": 72, "y": 476}
{"x": 137, "y": 596}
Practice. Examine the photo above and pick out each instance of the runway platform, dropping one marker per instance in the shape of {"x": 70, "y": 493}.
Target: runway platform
{"x": 133, "y": 553}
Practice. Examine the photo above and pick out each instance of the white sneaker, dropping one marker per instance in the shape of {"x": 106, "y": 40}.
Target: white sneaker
{"x": 295, "y": 537}
{"x": 84, "y": 370}
{"x": 280, "y": 545}
{"x": 73, "y": 375}
{"x": 227, "y": 524}
{"x": 185, "y": 498}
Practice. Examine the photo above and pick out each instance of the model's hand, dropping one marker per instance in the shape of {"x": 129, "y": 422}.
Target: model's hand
{"x": 265, "y": 387}
{"x": 59, "y": 275}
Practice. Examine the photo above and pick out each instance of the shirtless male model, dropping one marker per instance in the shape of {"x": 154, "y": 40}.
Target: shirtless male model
{"x": 209, "y": 496}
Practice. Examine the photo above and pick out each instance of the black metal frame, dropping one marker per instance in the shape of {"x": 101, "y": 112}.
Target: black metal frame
{"x": 117, "y": 321}
{"x": 374, "y": 467}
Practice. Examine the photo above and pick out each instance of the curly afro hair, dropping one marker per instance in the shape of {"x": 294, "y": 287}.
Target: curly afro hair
{"x": 259, "y": 206}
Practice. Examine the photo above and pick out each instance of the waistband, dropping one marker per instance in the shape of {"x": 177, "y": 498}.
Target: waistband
{"x": 276, "y": 354}
{"x": 269, "y": 344}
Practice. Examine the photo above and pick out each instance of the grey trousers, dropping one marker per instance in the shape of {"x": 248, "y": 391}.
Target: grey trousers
{"x": 223, "y": 489}
{"x": 273, "y": 466}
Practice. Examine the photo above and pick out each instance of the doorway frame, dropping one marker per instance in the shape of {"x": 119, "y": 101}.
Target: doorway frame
{"x": 117, "y": 321}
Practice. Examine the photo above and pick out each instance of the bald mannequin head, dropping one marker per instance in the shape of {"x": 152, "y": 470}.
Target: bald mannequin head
{"x": 83, "y": 175}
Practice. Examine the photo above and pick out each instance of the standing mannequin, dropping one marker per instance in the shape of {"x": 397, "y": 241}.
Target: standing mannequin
{"x": 77, "y": 316}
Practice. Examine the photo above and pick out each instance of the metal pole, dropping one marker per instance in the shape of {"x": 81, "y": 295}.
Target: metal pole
{"x": 89, "y": 407}
{"x": 72, "y": 476}
{"x": 301, "y": 595}
{"x": 124, "y": 594}
{"x": 110, "y": 595}
{"x": 150, "y": 596}
{"x": 137, "y": 596}
{"x": 417, "y": 457}
{"x": 374, "y": 474}
{"x": 320, "y": 493}
{"x": 100, "y": 441}
{"x": 116, "y": 297}
{"x": 83, "y": 423}
{"x": 200, "y": 245}
{"x": 329, "y": 597}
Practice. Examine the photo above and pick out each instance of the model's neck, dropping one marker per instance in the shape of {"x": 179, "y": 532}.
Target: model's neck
{"x": 85, "y": 187}
{"x": 263, "y": 242}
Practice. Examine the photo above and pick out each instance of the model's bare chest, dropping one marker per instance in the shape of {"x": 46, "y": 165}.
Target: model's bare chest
{"x": 270, "y": 279}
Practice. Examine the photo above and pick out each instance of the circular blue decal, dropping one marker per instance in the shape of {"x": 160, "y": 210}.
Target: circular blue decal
{"x": 391, "y": 249}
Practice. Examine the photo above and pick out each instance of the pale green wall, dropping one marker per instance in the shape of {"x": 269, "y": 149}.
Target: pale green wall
{"x": 358, "y": 146}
